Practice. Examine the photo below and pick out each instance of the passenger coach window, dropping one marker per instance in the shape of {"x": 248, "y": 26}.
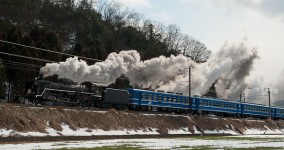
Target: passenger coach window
{"x": 183, "y": 100}
{"x": 144, "y": 96}
{"x": 165, "y": 98}
{"x": 160, "y": 97}
{"x": 169, "y": 98}
{"x": 178, "y": 99}
{"x": 155, "y": 97}
{"x": 208, "y": 103}
{"x": 149, "y": 96}
{"x": 174, "y": 99}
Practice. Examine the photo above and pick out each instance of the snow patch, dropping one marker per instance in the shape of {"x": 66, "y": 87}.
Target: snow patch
{"x": 183, "y": 130}
{"x": 258, "y": 131}
{"x": 67, "y": 131}
{"x": 195, "y": 130}
{"x": 160, "y": 143}
{"x": 221, "y": 132}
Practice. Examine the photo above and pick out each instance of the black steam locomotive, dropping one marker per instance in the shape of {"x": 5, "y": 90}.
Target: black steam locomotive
{"x": 66, "y": 93}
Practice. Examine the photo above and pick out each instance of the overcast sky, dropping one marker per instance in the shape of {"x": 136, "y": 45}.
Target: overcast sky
{"x": 214, "y": 22}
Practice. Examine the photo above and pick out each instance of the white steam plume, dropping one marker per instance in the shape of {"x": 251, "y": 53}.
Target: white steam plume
{"x": 230, "y": 67}
{"x": 279, "y": 93}
{"x": 102, "y": 72}
{"x": 235, "y": 80}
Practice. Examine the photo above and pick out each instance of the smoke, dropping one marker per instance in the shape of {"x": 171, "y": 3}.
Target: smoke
{"x": 102, "y": 72}
{"x": 159, "y": 71}
{"x": 279, "y": 91}
{"x": 230, "y": 67}
{"x": 236, "y": 79}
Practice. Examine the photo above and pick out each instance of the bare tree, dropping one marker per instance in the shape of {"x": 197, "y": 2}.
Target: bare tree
{"x": 198, "y": 51}
{"x": 117, "y": 15}
{"x": 194, "y": 49}
{"x": 173, "y": 37}
{"x": 134, "y": 19}
{"x": 185, "y": 45}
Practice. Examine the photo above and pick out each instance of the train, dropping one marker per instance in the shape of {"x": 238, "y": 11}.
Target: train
{"x": 90, "y": 94}
{"x": 170, "y": 102}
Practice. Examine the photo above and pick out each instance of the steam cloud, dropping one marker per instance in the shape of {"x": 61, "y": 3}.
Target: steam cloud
{"x": 229, "y": 69}
{"x": 279, "y": 94}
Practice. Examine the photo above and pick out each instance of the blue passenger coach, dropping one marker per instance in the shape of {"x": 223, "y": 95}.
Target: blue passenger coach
{"x": 255, "y": 109}
{"x": 159, "y": 101}
{"x": 143, "y": 99}
{"x": 217, "y": 105}
{"x": 277, "y": 112}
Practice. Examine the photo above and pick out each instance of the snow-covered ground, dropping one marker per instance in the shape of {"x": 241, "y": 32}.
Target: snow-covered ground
{"x": 179, "y": 143}
{"x": 67, "y": 131}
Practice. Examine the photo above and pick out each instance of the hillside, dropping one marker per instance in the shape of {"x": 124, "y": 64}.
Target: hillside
{"x": 56, "y": 121}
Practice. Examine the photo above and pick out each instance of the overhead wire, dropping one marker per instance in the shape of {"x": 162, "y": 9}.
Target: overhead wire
{"x": 50, "y": 51}
{"x": 16, "y": 63}
{"x": 38, "y": 59}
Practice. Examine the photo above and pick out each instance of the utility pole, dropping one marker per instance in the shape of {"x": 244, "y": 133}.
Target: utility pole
{"x": 189, "y": 80}
{"x": 241, "y": 96}
{"x": 189, "y": 89}
{"x": 244, "y": 97}
{"x": 269, "y": 102}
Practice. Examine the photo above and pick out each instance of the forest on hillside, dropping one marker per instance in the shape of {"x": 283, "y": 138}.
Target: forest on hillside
{"x": 87, "y": 28}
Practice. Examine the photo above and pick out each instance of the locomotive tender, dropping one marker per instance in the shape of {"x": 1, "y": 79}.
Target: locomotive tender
{"x": 98, "y": 95}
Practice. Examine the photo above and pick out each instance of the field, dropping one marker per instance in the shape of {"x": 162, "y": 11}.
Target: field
{"x": 200, "y": 142}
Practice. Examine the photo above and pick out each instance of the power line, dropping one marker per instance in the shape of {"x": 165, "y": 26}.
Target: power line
{"x": 38, "y": 59}
{"x": 15, "y": 63}
{"x": 22, "y": 66}
{"x": 8, "y": 42}
{"x": 19, "y": 68}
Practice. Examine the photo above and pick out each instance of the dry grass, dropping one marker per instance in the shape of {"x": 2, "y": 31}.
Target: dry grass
{"x": 26, "y": 119}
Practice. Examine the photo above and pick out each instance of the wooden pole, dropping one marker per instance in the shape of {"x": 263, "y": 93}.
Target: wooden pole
{"x": 189, "y": 89}
{"x": 269, "y": 103}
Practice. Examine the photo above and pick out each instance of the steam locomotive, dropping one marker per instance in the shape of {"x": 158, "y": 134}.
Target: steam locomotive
{"x": 99, "y": 95}
{"x": 86, "y": 94}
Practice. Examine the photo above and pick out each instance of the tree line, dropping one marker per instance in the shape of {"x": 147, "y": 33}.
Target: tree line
{"x": 89, "y": 28}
